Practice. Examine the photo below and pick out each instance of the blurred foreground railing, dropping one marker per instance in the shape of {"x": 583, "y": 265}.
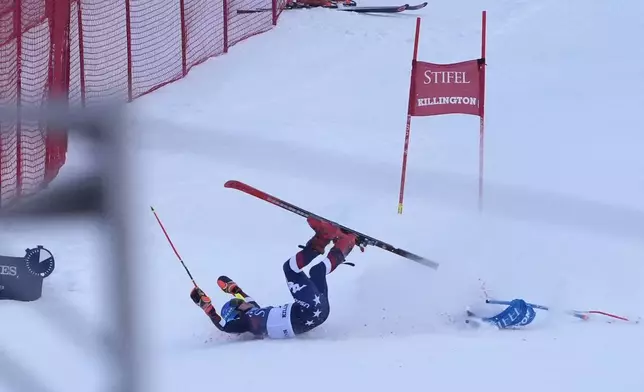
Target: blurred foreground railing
{"x": 102, "y": 195}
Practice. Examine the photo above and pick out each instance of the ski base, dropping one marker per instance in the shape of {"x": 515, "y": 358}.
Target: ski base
{"x": 363, "y": 239}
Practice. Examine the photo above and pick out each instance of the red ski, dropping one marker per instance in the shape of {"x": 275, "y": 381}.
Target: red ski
{"x": 363, "y": 239}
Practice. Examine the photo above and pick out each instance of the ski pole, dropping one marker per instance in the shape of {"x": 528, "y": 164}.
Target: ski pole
{"x": 173, "y": 247}
{"x": 608, "y": 315}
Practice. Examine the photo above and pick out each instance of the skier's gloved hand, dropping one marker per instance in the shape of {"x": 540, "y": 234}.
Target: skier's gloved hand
{"x": 227, "y": 285}
{"x": 200, "y": 298}
{"x": 195, "y": 294}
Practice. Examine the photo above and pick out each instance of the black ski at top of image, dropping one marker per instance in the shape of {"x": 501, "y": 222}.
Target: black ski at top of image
{"x": 385, "y": 9}
{"x": 254, "y": 10}
{"x": 416, "y": 7}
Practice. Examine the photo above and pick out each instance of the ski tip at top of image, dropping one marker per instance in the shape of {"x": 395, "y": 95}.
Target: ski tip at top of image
{"x": 235, "y": 184}
{"x": 417, "y": 6}
{"x": 231, "y": 184}
{"x": 240, "y": 186}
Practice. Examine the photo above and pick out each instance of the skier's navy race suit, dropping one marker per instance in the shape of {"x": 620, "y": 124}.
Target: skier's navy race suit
{"x": 310, "y": 307}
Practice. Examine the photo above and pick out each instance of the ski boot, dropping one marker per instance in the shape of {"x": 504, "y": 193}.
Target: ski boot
{"x": 320, "y": 3}
{"x": 296, "y": 5}
{"x": 325, "y": 232}
{"x": 329, "y": 4}
{"x": 345, "y": 243}
{"x": 342, "y": 246}
{"x": 349, "y": 3}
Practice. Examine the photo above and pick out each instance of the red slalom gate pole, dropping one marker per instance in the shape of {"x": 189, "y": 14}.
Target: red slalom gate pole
{"x": 482, "y": 109}
{"x": 408, "y": 126}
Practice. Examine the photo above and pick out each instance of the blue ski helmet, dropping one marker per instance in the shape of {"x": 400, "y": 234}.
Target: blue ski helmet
{"x": 230, "y": 311}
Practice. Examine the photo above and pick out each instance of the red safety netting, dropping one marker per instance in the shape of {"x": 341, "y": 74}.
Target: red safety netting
{"x": 156, "y": 42}
{"x": 34, "y": 91}
{"x": 8, "y": 95}
{"x": 25, "y": 76}
{"x": 92, "y": 51}
{"x": 242, "y": 26}
{"x": 99, "y": 62}
{"x": 124, "y": 49}
{"x": 205, "y": 30}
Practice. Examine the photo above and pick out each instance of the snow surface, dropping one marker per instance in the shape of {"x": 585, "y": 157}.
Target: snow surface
{"x": 314, "y": 112}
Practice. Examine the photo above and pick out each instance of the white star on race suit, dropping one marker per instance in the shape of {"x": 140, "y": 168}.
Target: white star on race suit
{"x": 317, "y": 313}
{"x": 309, "y": 323}
{"x": 316, "y": 299}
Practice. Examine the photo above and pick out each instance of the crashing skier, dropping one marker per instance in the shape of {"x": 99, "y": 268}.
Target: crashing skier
{"x": 310, "y": 307}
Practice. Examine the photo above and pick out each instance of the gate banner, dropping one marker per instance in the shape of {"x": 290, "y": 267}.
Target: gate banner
{"x": 438, "y": 89}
